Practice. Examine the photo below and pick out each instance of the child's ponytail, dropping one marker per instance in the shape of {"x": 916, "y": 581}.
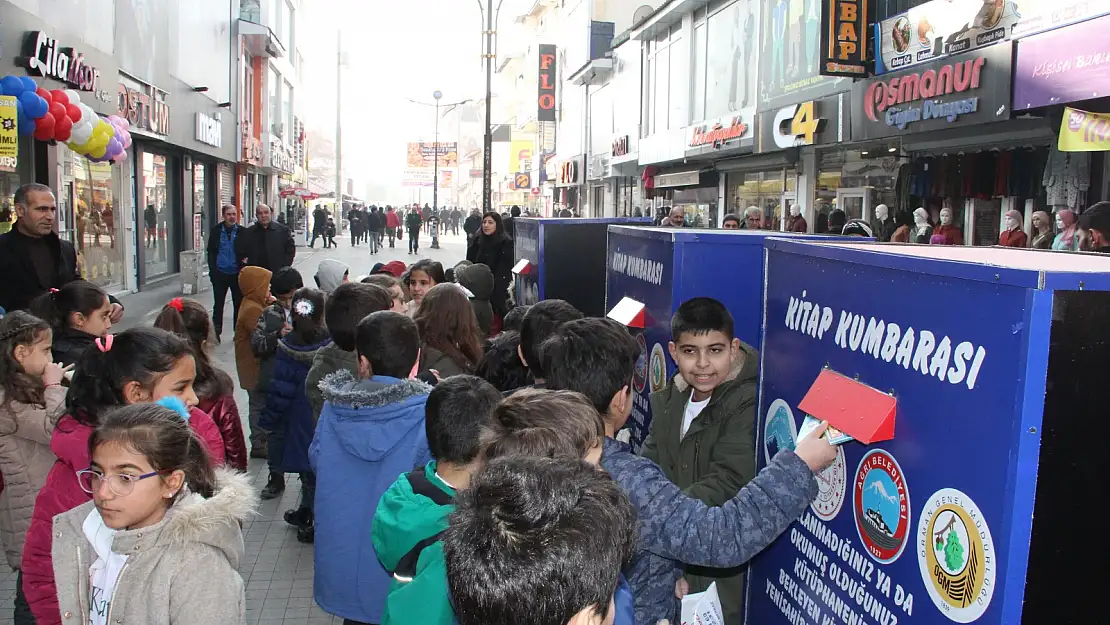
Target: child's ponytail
{"x": 199, "y": 473}
{"x": 19, "y": 328}
{"x": 57, "y": 305}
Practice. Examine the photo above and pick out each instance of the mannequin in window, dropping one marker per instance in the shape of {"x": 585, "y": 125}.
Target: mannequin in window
{"x": 1068, "y": 239}
{"x": 884, "y": 226}
{"x": 1042, "y": 231}
{"x": 922, "y": 229}
{"x": 1013, "y": 235}
{"x": 951, "y": 232}
{"x": 797, "y": 222}
{"x": 905, "y": 225}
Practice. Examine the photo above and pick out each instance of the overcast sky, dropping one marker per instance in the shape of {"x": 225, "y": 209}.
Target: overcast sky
{"x": 397, "y": 51}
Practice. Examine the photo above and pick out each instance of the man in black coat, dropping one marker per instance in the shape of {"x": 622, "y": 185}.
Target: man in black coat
{"x": 33, "y": 258}
{"x": 223, "y": 265}
{"x": 267, "y": 243}
{"x": 319, "y": 222}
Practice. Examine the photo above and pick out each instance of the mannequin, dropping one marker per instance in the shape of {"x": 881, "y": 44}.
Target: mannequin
{"x": 1068, "y": 239}
{"x": 951, "y": 232}
{"x": 922, "y": 231}
{"x": 1013, "y": 236}
{"x": 797, "y": 223}
{"x": 1042, "y": 229}
{"x": 884, "y": 225}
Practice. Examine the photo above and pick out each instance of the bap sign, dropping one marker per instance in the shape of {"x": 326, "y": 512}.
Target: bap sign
{"x": 844, "y": 38}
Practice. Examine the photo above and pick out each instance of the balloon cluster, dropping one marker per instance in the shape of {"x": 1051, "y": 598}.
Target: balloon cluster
{"x": 59, "y": 115}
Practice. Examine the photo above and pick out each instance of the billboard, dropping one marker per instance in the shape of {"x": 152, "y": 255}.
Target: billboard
{"x": 548, "y": 77}
{"x": 790, "y": 55}
{"x": 421, "y": 154}
{"x": 844, "y": 38}
{"x": 420, "y": 177}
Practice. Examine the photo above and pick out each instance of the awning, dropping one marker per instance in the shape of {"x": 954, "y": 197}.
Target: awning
{"x": 298, "y": 192}
{"x": 760, "y": 162}
{"x": 699, "y": 177}
{"x": 260, "y": 40}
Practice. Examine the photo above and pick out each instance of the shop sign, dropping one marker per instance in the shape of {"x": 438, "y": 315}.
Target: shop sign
{"x": 569, "y": 173}
{"x": 281, "y": 157}
{"x": 252, "y": 150}
{"x": 1067, "y": 65}
{"x": 1038, "y": 16}
{"x": 844, "y": 39}
{"x": 210, "y": 130}
{"x": 726, "y": 132}
{"x": 796, "y": 125}
{"x": 968, "y": 89}
{"x": 45, "y": 56}
{"x": 620, "y": 146}
{"x": 144, "y": 106}
{"x": 475, "y": 173}
{"x": 1082, "y": 131}
{"x": 9, "y": 128}
{"x": 522, "y": 181}
{"x": 547, "y": 80}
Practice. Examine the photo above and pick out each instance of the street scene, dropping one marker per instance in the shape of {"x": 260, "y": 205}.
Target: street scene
{"x": 537, "y": 312}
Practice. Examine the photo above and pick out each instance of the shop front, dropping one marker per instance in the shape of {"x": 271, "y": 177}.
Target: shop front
{"x": 623, "y": 157}
{"x": 569, "y": 179}
{"x": 602, "y": 200}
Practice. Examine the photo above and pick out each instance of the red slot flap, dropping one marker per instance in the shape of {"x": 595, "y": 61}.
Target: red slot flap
{"x": 852, "y": 407}
{"x": 629, "y": 312}
{"x": 523, "y": 267}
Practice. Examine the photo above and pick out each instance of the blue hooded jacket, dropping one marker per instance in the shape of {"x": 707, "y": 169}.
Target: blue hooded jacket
{"x": 675, "y": 528}
{"x": 287, "y": 405}
{"x": 370, "y": 432}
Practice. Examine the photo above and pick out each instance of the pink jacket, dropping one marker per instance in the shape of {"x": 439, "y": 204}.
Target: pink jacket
{"x": 70, "y": 443}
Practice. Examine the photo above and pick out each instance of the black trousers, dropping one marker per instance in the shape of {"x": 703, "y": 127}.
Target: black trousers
{"x": 221, "y": 283}
{"x": 414, "y": 240}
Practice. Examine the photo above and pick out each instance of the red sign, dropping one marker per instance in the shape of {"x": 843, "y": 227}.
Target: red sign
{"x": 620, "y": 146}
{"x": 717, "y": 134}
{"x": 547, "y": 78}
{"x": 955, "y": 77}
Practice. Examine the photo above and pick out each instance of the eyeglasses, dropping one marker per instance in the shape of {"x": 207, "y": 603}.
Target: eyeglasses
{"x": 120, "y": 484}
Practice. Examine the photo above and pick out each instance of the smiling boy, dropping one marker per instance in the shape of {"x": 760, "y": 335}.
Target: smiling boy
{"x": 703, "y": 424}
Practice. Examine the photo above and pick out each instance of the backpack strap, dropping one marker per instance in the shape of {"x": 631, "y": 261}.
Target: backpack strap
{"x": 421, "y": 485}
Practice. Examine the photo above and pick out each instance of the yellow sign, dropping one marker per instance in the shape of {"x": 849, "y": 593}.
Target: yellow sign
{"x": 520, "y": 154}
{"x": 9, "y": 127}
{"x": 1082, "y": 131}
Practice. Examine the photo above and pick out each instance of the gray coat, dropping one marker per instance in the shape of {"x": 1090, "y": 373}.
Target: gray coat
{"x": 180, "y": 571}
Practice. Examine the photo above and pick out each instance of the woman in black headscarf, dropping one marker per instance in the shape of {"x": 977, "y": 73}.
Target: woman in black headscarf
{"x": 493, "y": 248}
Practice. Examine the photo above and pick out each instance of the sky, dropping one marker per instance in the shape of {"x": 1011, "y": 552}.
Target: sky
{"x": 397, "y": 51}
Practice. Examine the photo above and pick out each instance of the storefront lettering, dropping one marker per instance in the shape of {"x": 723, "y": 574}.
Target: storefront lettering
{"x": 45, "y": 57}
{"x": 797, "y": 125}
{"x": 718, "y": 134}
{"x": 931, "y": 109}
{"x": 145, "y": 107}
{"x": 845, "y": 41}
{"x": 956, "y": 77}
{"x": 650, "y": 271}
{"x": 546, "y": 80}
{"x": 620, "y": 146}
{"x": 568, "y": 173}
{"x": 210, "y": 130}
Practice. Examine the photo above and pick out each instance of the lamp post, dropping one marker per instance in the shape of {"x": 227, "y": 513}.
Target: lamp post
{"x": 437, "y": 94}
{"x": 489, "y": 55}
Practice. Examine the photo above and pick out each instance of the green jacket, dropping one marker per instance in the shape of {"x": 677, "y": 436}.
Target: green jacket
{"x": 402, "y": 520}
{"x": 714, "y": 460}
{"x": 326, "y": 362}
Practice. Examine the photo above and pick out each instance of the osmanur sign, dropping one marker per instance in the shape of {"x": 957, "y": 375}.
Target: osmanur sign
{"x": 967, "y": 89}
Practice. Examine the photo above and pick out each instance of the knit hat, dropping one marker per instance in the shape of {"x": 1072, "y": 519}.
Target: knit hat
{"x": 394, "y": 268}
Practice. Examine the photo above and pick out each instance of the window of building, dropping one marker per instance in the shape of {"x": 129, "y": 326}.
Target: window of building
{"x": 275, "y": 101}
{"x": 648, "y": 127}
{"x": 679, "y": 80}
{"x": 699, "y": 73}
{"x": 287, "y": 118}
{"x": 601, "y": 120}
{"x": 731, "y": 67}
{"x": 661, "y": 83}
{"x": 288, "y": 27}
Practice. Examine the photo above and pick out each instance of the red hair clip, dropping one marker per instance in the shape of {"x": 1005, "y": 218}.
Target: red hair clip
{"x": 53, "y": 291}
{"x": 104, "y": 343}
{"x": 177, "y": 304}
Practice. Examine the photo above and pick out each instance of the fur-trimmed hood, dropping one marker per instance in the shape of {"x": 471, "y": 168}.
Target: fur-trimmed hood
{"x": 343, "y": 389}
{"x": 373, "y": 416}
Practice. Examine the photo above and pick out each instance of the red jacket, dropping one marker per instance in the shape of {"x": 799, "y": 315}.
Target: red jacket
{"x": 225, "y": 413}
{"x": 392, "y": 220}
{"x": 206, "y": 429}
{"x": 61, "y": 493}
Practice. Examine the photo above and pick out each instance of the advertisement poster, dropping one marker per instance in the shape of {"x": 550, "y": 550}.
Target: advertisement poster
{"x": 922, "y": 528}
{"x": 9, "y": 129}
{"x": 421, "y": 154}
{"x": 641, "y": 268}
{"x": 1061, "y": 66}
{"x": 790, "y": 55}
{"x": 1082, "y": 131}
{"x": 526, "y": 287}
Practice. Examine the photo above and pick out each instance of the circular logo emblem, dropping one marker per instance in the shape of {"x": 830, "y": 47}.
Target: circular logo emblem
{"x": 881, "y": 503}
{"x": 658, "y": 369}
{"x": 956, "y": 555}
{"x": 779, "y": 430}
{"x": 640, "y": 375}
{"x": 1075, "y": 120}
{"x": 832, "y": 484}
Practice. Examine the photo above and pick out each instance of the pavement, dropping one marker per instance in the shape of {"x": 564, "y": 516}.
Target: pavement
{"x": 277, "y": 569}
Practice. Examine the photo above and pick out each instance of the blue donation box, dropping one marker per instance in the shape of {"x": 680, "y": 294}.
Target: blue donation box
{"x": 972, "y": 373}
{"x": 563, "y": 259}
{"x": 654, "y": 270}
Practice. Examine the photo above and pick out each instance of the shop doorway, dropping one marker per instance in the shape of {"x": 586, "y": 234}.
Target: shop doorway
{"x": 856, "y": 203}
{"x": 790, "y": 198}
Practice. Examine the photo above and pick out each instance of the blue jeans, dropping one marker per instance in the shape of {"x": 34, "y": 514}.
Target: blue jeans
{"x": 373, "y": 242}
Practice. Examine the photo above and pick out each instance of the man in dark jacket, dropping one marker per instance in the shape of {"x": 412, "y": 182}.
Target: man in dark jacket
{"x": 223, "y": 266}
{"x": 267, "y": 243}
{"x": 33, "y": 258}
{"x": 412, "y": 224}
{"x": 319, "y": 222}
{"x": 472, "y": 224}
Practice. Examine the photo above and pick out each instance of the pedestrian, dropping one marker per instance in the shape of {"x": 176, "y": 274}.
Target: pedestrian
{"x": 374, "y": 228}
{"x": 494, "y": 249}
{"x": 79, "y": 313}
{"x": 412, "y": 224}
{"x": 472, "y": 224}
{"x": 319, "y": 221}
{"x": 31, "y": 400}
{"x": 392, "y": 224}
{"x": 33, "y": 258}
{"x": 156, "y": 551}
{"x": 355, "y": 223}
{"x": 255, "y": 282}
{"x": 223, "y": 267}
{"x": 450, "y": 339}
{"x": 266, "y": 244}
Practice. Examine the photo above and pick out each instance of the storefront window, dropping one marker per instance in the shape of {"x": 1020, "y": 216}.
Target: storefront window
{"x": 662, "y": 87}
{"x": 159, "y": 236}
{"x": 699, "y": 73}
{"x": 98, "y": 226}
{"x": 699, "y": 206}
{"x": 13, "y": 172}
{"x": 200, "y": 195}
{"x": 679, "y": 80}
{"x": 856, "y": 181}
{"x": 275, "y": 99}
{"x": 769, "y": 191}
{"x": 730, "y": 85}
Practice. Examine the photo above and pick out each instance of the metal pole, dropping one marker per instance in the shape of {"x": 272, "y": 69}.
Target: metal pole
{"x": 435, "y": 166}
{"x": 487, "y": 156}
{"x": 339, "y": 127}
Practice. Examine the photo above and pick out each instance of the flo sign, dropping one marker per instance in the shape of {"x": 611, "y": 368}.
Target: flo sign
{"x": 972, "y": 88}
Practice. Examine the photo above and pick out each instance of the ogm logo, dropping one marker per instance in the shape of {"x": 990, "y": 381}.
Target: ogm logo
{"x": 955, "y": 553}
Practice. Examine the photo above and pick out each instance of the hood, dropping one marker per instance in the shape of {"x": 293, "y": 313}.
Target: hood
{"x": 405, "y": 518}
{"x": 372, "y": 416}
{"x": 302, "y": 354}
{"x": 337, "y": 357}
{"x": 255, "y": 283}
{"x": 70, "y": 443}
{"x": 743, "y": 369}
{"x": 478, "y": 279}
{"x": 330, "y": 274}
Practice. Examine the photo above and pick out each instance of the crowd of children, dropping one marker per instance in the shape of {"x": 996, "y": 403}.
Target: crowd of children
{"x": 460, "y": 466}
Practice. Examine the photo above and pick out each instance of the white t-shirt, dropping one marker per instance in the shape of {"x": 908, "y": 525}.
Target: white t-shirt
{"x": 105, "y": 570}
{"x": 693, "y": 409}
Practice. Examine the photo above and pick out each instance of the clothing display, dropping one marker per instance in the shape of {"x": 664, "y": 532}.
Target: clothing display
{"x": 952, "y": 235}
{"x": 1067, "y": 176}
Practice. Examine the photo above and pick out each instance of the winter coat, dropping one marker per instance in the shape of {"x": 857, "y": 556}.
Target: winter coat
{"x": 328, "y": 360}
{"x": 270, "y": 248}
{"x": 255, "y": 284}
{"x": 183, "y": 570}
{"x": 371, "y": 431}
{"x": 472, "y": 224}
{"x": 69, "y": 344}
{"x": 209, "y": 433}
{"x": 225, "y": 414}
{"x": 402, "y": 520}
{"x": 715, "y": 459}
{"x": 478, "y": 279}
{"x": 287, "y": 403}
{"x": 413, "y": 221}
{"x": 25, "y": 460}
{"x": 901, "y": 235}
{"x": 432, "y": 358}
{"x": 496, "y": 252}
{"x": 330, "y": 274}
{"x": 21, "y": 281}
{"x": 216, "y": 237}
{"x": 392, "y": 220}
{"x": 674, "y": 527}
{"x": 264, "y": 343}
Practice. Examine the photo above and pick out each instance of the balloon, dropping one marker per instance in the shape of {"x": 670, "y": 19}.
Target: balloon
{"x": 73, "y": 112}
{"x": 44, "y": 127}
{"x": 11, "y": 85}
{"x": 74, "y": 97}
{"x": 114, "y": 146}
{"x": 28, "y": 83}
{"x": 58, "y": 110}
{"x": 26, "y": 127}
{"x": 63, "y": 129}
{"x": 99, "y": 152}
{"x": 44, "y": 94}
{"x": 81, "y": 132}
{"x": 126, "y": 139}
{"x": 124, "y": 123}
{"x": 59, "y": 96}
{"x": 34, "y": 106}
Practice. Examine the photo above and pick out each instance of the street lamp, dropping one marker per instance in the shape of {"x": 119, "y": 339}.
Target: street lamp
{"x": 487, "y": 149}
{"x": 437, "y": 94}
